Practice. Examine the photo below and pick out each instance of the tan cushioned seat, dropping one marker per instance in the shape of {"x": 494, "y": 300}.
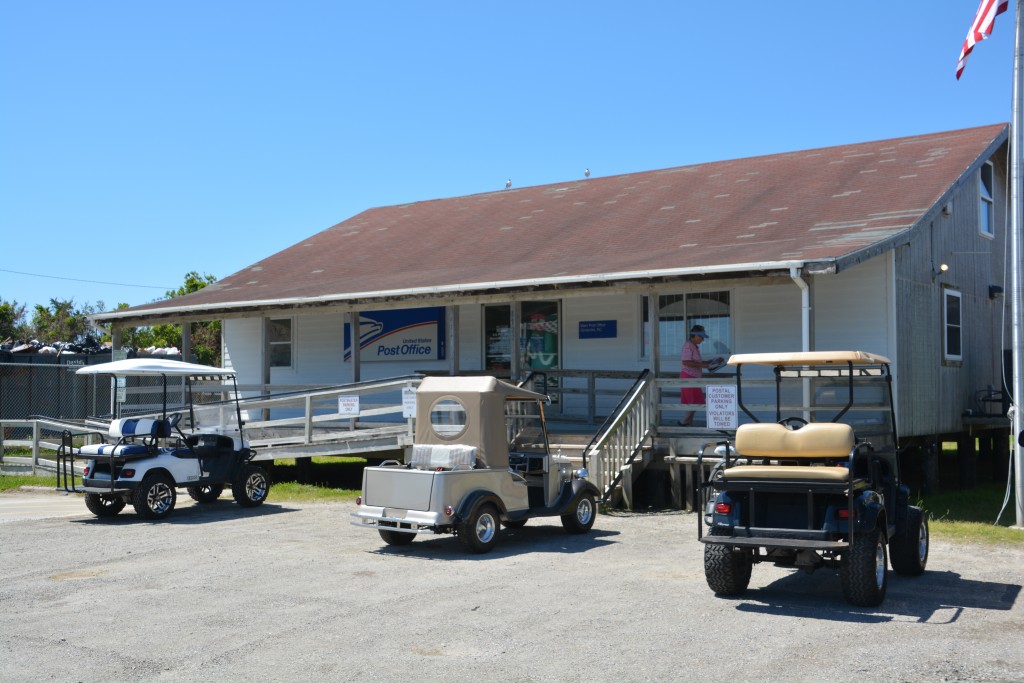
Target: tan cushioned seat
{"x": 797, "y": 472}
{"x": 814, "y": 440}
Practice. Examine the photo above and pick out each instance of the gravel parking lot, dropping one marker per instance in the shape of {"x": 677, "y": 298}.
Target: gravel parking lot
{"x": 294, "y": 593}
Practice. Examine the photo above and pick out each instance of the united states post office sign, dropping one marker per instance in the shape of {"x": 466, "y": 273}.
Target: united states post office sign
{"x": 406, "y": 334}
{"x": 599, "y": 329}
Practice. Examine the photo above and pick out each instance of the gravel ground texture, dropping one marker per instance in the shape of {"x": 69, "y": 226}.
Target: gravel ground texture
{"x": 290, "y": 592}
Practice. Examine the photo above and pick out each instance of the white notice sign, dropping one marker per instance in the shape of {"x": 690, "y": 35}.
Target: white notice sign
{"x": 409, "y": 402}
{"x": 721, "y": 405}
{"x": 348, "y": 405}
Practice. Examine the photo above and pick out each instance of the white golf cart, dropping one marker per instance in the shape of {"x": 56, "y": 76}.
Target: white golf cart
{"x": 481, "y": 458}
{"x": 192, "y": 443}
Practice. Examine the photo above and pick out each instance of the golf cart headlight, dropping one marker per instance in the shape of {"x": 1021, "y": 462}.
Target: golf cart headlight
{"x": 582, "y": 473}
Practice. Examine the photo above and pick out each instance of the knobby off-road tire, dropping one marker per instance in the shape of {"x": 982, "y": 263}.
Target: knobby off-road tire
{"x": 864, "y": 571}
{"x": 395, "y": 537}
{"x": 251, "y": 486}
{"x": 155, "y": 497}
{"x": 103, "y": 505}
{"x": 479, "y": 532}
{"x": 726, "y": 570}
{"x": 205, "y": 494}
{"x": 581, "y": 517}
{"x": 909, "y": 551}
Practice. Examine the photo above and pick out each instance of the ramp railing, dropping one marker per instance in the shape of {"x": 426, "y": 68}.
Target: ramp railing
{"x": 623, "y": 435}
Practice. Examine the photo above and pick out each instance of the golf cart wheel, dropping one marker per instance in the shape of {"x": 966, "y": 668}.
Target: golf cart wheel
{"x": 104, "y": 505}
{"x": 581, "y": 518}
{"x": 251, "y": 486}
{"x": 726, "y": 570}
{"x": 909, "y": 552}
{"x": 864, "y": 572}
{"x": 155, "y": 497}
{"x": 479, "y": 532}
{"x": 205, "y": 494}
{"x": 395, "y": 537}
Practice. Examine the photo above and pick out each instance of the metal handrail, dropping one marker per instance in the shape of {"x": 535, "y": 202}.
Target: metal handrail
{"x": 622, "y": 436}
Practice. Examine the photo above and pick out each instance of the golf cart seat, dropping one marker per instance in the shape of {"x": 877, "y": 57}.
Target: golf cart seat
{"x": 442, "y": 457}
{"x": 132, "y": 436}
{"x": 823, "y": 451}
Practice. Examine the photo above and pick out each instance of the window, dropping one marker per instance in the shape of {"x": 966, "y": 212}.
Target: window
{"x": 952, "y": 323}
{"x": 279, "y": 337}
{"x": 679, "y": 312}
{"x": 448, "y": 418}
{"x": 498, "y": 339}
{"x": 540, "y": 332}
{"x": 985, "y": 191}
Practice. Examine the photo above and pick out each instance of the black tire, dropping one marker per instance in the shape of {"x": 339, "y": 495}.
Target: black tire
{"x": 205, "y": 494}
{"x": 909, "y": 552}
{"x": 155, "y": 497}
{"x": 581, "y": 517}
{"x": 251, "y": 486}
{"x": 515, "y": 524}
{"x": 479, "y": 532}
{"x": 864, "y": 571}
{"x": 104, "y": 505}
{"x": 395, "y": 537}
{"x": 727, "y": 570}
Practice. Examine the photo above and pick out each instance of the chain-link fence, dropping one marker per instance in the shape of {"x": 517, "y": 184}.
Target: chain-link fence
{"x": 47, "y": 386}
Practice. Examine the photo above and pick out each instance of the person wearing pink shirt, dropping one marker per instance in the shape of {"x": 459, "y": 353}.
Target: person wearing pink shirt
{"x": 693, "y": 366}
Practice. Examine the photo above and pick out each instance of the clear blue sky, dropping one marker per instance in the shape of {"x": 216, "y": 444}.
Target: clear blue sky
{"x": 140, "y": 140}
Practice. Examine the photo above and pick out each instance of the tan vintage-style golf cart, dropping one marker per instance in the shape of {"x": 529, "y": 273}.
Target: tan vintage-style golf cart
{"x": 481, "y": 458}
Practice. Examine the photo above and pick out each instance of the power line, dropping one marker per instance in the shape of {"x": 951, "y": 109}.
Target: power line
{"x": 92, "y": 282}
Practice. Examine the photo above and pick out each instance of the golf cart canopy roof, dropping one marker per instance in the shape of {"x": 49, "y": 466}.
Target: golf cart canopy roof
{"x": 154, "y": 367}
{"x": 809, "y": 358}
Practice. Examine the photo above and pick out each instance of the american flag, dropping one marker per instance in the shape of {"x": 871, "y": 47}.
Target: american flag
{"x": 980, "y": 29}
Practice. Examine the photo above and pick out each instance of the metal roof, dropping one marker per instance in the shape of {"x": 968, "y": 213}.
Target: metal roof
{"x": 821, "y": 209}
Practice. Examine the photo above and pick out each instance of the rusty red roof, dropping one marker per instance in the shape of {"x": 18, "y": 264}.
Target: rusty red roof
{"x": 731, "y": 217}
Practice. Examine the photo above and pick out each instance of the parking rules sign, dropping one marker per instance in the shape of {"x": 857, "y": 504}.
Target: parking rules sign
{"x": 721, "y": 406}
{"x": 348, "y": 405}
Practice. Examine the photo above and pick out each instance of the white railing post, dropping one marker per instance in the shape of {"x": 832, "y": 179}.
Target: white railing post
{"x": 309, "y": 419}
{"x": 35, "y": 446}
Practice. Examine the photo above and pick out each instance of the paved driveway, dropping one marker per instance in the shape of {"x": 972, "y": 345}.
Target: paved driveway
{"x": 294, "y": 593}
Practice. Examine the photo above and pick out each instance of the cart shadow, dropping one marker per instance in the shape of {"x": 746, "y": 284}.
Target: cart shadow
{"x": 207, "y": 513}
{"x": 511, "y": 542}
{"x": 936, "y": 597}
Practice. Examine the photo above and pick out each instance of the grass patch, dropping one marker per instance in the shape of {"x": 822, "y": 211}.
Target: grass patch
{"x": 970, "y": 515}
{"x": 11, "y": 482}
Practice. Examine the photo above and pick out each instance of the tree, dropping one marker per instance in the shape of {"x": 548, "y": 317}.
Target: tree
{"x": 206, "y": 339}
{"x": 12, "y": 321}
{"x": 61, "y": 321}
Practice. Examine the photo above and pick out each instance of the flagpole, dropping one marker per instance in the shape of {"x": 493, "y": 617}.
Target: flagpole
{"x": 1016, "y": 195}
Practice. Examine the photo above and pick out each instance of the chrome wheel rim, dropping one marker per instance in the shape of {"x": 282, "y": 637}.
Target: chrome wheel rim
{"x": 256, "y": 487}
{"x": 879, "y": 564}
{"x": 485, "y": 528}
{"x": 159, "y": 498}
{"x": 922, "y": 544}
{"x": 584, "y": 511}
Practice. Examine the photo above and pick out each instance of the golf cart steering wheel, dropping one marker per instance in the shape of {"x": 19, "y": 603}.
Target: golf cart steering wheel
{"x": 173, "y": 419}
{"x": 793, "y": 423}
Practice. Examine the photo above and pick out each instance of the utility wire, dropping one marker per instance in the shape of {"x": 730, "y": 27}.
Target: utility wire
{"x": 92, "y": 282}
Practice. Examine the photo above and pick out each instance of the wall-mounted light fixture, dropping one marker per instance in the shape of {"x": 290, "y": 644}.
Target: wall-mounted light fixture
{"x": 995, "y": 292}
